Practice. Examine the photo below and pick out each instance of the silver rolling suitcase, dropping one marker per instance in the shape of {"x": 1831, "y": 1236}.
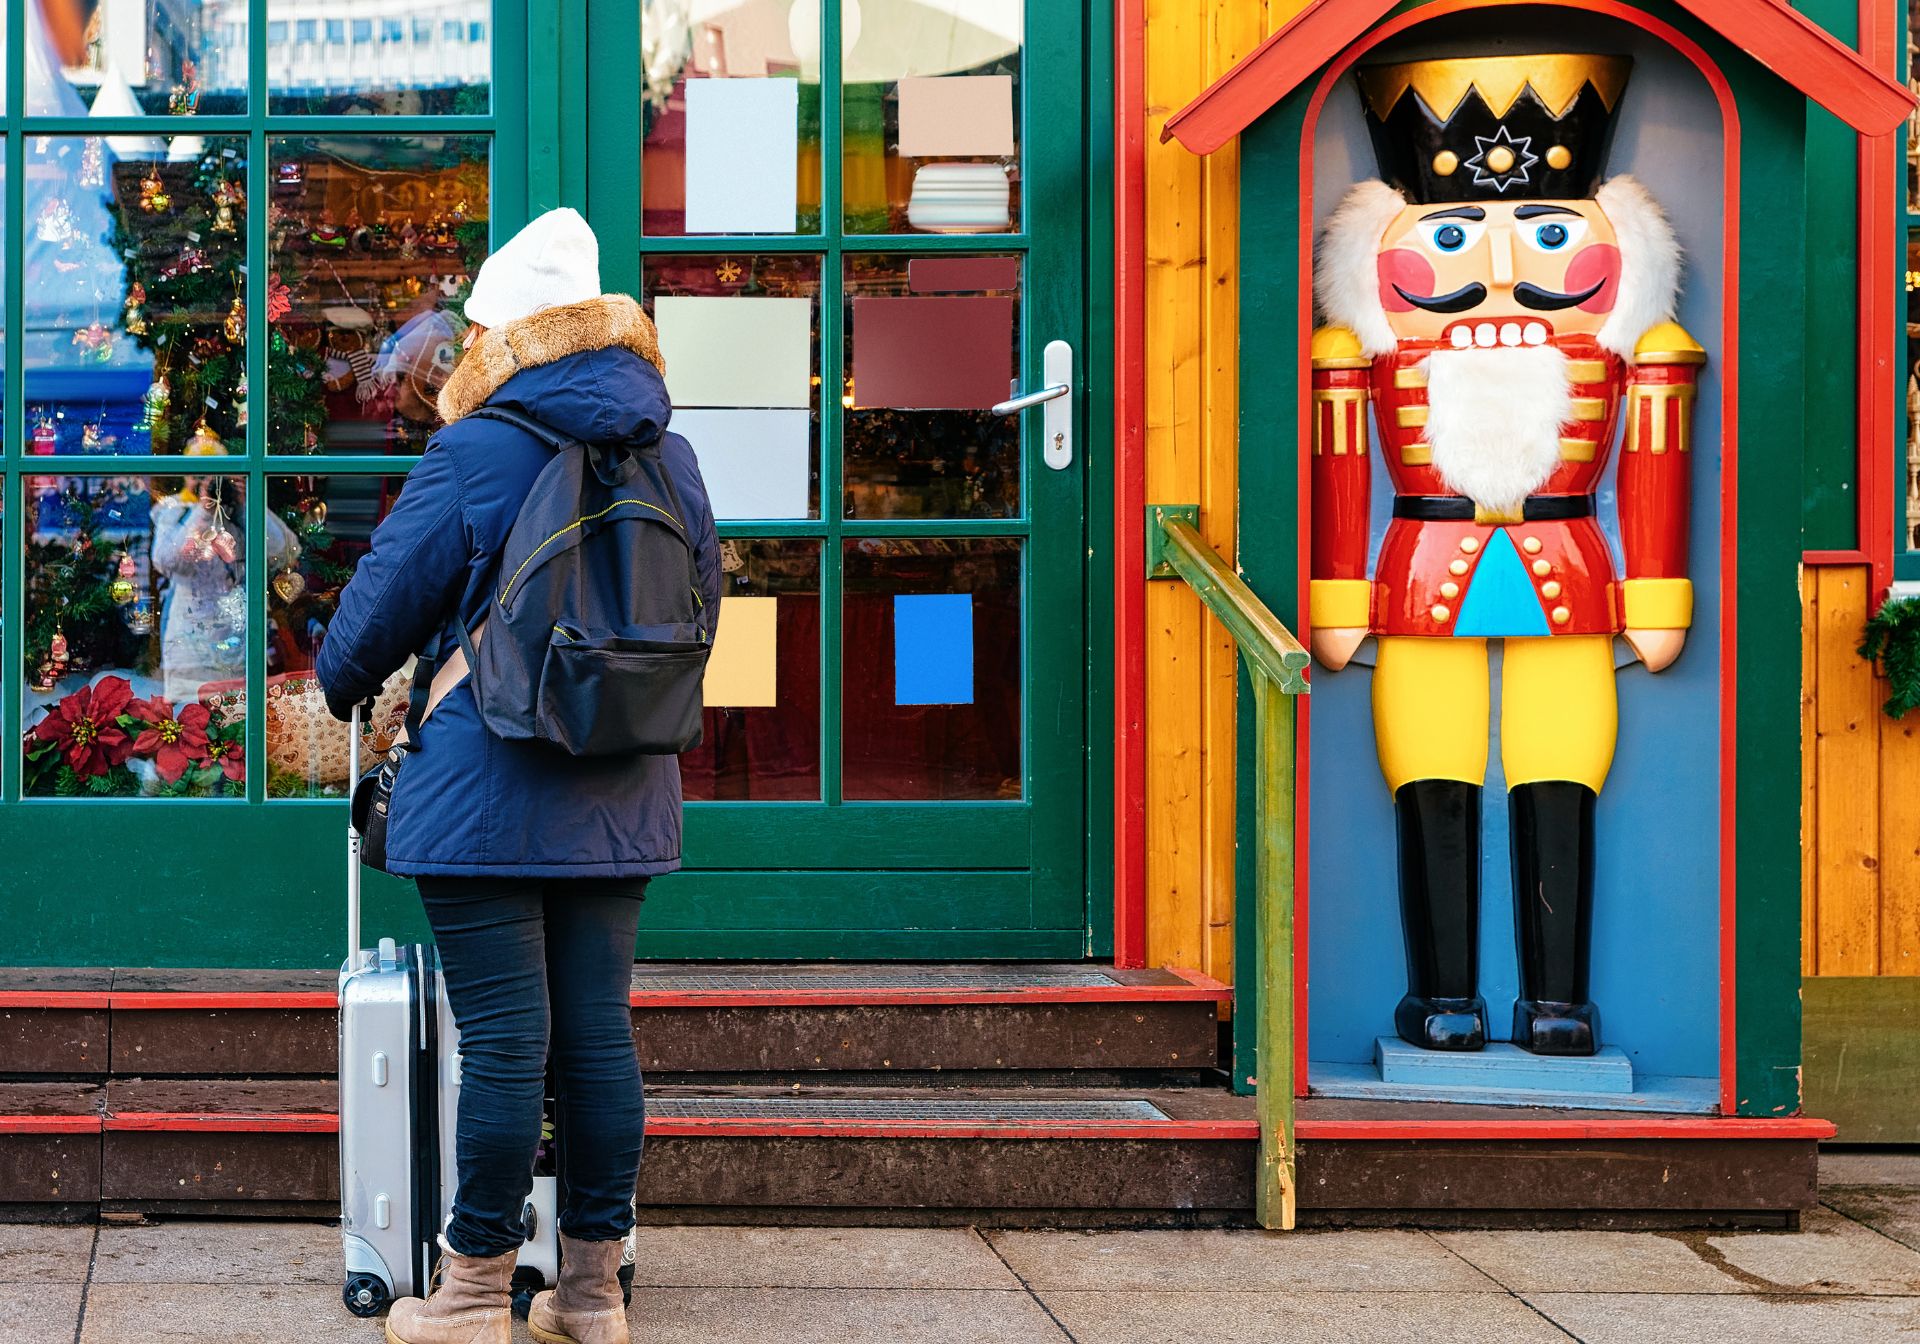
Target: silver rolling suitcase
{"x": 399, "y": 1095}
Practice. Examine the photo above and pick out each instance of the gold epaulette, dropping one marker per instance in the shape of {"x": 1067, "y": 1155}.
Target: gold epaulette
{"x": 1668, "y": 343}
{"x": 1337, "y": 348}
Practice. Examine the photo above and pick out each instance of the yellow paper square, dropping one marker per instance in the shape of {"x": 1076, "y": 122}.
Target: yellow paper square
{"x": 740, "y": 674}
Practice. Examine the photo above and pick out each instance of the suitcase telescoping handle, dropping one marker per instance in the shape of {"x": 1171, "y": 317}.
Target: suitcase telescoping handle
{"x": 353, "y": 840}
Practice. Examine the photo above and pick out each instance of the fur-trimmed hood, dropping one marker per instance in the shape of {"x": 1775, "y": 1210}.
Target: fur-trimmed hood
{"x": 611, "y": 321}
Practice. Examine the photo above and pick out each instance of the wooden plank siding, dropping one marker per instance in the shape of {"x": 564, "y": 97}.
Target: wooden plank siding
{"x": 1860, "y": 794}
{"x": 1191, "y": 409}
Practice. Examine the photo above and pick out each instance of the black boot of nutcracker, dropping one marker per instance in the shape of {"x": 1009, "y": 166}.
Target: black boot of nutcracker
{"x": 1552, "y": 825}
{"x": 1439, "y": 830}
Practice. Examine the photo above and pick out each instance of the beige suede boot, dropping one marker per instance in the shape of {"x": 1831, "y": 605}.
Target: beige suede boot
{"x": 471, "y": 1305}
{"x": 586, "y": 1307}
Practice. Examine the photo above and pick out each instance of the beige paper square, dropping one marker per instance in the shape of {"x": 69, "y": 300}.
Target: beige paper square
{"x": 736, "y": 352}
{"x": 956, "y": 116}
{"x": 740, "y": 674}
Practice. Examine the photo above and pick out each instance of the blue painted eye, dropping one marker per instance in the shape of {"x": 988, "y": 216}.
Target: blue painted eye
{"x": 1449, "y": 237}
{"x": 1552, "y": 236}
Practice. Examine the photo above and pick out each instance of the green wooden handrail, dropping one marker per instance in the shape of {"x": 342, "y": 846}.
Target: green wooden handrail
{"x": 1276, "y": 665}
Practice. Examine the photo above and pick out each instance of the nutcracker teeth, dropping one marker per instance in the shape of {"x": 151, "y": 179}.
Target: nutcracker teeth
{"x": 1485, "y": 335}
{"x": 1462, "y": 338}
{"x": 1535, "y": 333}
{"x": 1509, "y": 333}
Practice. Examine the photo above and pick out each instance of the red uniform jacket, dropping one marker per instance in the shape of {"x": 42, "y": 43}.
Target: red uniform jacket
{"x": 1427, "y": 568}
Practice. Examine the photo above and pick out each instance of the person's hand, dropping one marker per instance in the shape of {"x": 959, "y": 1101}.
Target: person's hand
{"x": 1334, "y": 646}
{"x": 1656, "y": 648}
{"x": 342, "y": 706}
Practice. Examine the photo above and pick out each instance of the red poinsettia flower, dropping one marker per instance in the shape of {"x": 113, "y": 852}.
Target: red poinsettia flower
{"x": 85, "y": 726}
{"x": 279, "y": 298}
{"x": 173, "y": 740}
{"x": 230, "y": 754}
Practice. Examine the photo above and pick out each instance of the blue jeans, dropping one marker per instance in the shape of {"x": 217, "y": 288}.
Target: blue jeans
{"x": 538, "y": 968}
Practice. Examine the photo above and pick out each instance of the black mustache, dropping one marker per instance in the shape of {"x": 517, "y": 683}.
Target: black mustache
{"x": 1549, "y": 300}
{"x": 1467, "y": 296}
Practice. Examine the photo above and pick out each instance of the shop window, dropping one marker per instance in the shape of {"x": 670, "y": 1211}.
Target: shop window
{"x": 307, "y": 79}
{"x": 123, "y": 60}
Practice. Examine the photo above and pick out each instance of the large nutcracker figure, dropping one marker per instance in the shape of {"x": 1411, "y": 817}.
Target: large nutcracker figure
{"x": 1502, "y": 316}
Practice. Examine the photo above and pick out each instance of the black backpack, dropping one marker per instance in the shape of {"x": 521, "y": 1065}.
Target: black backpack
{"x": 596, "y": 638}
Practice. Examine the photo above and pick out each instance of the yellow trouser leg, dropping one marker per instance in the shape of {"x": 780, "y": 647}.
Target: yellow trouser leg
{"x": 1559, "y": 715}
{"x": 1431, "y": 709}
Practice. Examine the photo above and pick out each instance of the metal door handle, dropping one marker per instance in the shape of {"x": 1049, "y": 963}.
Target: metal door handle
{"x": 1056, "y": 366}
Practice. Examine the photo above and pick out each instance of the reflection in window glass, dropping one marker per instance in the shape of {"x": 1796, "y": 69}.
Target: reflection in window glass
{"x": 135, "y": 635}
{"x": 931, "y": 345}
{"x": 741, "y": 336}
{"x": 761, "y": 735}
{"x": 375, "y": 241}
{"x": 446, "y": 68}
{"x": 1910, "y": 387}
{"x": 732, "y": 117}
{"x": 931, "y": 114}
{"x": 135, "y": 303}
{"x": 930, "y": 673}
{"x": 128, "y": 57}
{"x": 329, "y": 521}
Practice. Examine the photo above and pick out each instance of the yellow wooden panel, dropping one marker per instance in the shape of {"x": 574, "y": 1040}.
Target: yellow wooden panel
{"x": 1899, "y": 871}
{"x": 1809, "y": 797}
{"x": 1847, "y": 776}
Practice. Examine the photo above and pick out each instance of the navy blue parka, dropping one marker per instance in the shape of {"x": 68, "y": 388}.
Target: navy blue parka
{"x": 467, "y": 803}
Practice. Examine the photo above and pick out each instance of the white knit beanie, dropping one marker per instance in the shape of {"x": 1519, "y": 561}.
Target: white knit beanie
{"x": 555, "y": 260}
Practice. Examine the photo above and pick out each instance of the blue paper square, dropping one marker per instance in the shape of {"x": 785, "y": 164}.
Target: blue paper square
{"x": 933, "y": 649}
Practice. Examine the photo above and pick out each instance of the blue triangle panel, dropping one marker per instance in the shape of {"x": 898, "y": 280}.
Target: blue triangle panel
{"x": 1500, "y": 597}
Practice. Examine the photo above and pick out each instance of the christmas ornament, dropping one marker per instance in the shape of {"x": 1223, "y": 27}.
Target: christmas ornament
{"x": 316, "y": 511}
{"x": 57, "y": 652}
{"x": 139, "y": 616}
{"x": 90, "y": 440}
{"x": 191, "y": 261}
{"x": 279, "y": 298}
{"x": 153, "y": 192}
{"x": 290, "y": 175}
{"x": 153, "y": 404}
{"x": 45, "y": 437}
{"x": 409, "y": 240}
{"x": 55, "y": 224}
{"x": 45, "y": 678}
{"x": 226, "y": 196}
{"x": 183, "y": 100}
{"x": 234, "y": 325}
{"x": 134, "y": 319}
{"x": 95, "y": 341}
{"x": 327, "y": 235}
{"x": 240, "y": 402}
{"x": 230, "y": 651}
{"x": 205, "y": 442}
{"x": 122, "y": 589}
{"x": 93, "y": 163}
{"x": 289, "y": 584}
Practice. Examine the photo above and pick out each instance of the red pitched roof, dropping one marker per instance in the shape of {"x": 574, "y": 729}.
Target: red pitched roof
{"x": 1796, "y": 49}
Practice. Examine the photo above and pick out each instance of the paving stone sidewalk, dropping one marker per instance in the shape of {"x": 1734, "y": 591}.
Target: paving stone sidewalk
{"x": 1851, "y": 1275}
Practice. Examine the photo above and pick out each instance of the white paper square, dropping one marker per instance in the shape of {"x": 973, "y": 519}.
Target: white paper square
{"x": 736, "y": 352}
{"x": 743, "y": 140}
{"x": 755, "y": 462}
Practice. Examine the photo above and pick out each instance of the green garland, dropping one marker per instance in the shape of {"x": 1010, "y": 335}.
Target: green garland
{"x": 1892, "y": 640}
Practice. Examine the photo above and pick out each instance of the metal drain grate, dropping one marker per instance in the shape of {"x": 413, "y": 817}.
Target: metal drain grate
{"x": 834, "y": 1108}
{"x": 831, "y": 980}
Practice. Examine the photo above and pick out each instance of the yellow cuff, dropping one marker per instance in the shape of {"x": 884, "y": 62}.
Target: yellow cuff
{"x": 1339, "y": 602}
{"x": 1658, "y": 604}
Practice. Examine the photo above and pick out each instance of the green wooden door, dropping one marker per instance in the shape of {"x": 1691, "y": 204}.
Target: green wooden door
{"x": 859, "y": 225}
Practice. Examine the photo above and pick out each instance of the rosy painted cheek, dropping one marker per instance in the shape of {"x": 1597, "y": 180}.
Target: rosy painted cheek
{"x": 1596, "y": 265}
{"x": 1409, "y": 271}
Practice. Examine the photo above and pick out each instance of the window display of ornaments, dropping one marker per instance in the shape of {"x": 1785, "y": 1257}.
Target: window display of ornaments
{"x": 153, "y": 192}
{"x": 153, "y": 403}
{"x": 121, "y": 588}
{"x": 55, "y": 224}
{"x": 191, "y": 261}
{"x": 95, "y": 341}
{"x": 57, "y": 651}
{"x": 240, "y": 402}
{"x": 289, "y": 585}
{"x": 226, "y": 197}
{"x": 138, "y": 617}
{"x": 91, "y": 440}
{"x": 45, "y": 438}
{"x": 232, "y": 608}
{"x": 327, "y": 235}
{"x": 234, "y": 325}
{"x": 93, "y": 163}
{"x": 205, "y": 442}
{"x": 45, "y": 677}
{"x": 134, "y": 318}
{"x": 409, "y": 239}
{"x": 183, "y": 100}
{"x": 290, "y": 175}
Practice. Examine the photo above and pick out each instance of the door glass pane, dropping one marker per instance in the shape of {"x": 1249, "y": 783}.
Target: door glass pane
{"x": 123, "y": 58}
{"x": 135, "y": 641}
{"x": 741, "y": 337}
{"x": 136, "y": 297}
{"x": 731, "y": 107}
{"x": 931, "y": 345}
{"x": 762, "y": 724}
{"x": 931, "y": 670}
{"x": 375, "y": 240}
{"x": 319, "y": 527}
{"x": 931, "y": 102}
{"x": 336, "y": 57}
{"x": 1910, "y": 389}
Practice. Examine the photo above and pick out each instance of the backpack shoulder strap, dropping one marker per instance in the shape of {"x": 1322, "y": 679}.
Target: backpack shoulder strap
{"x": 540, "y": 429}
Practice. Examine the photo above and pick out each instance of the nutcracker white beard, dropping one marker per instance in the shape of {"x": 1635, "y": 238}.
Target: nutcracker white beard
{"x": 1494, "y": 419}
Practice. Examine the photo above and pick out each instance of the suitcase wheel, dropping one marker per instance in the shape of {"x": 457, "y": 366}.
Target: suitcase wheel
{"x": 365, "y": 1295}
{"x": 626, "y": 1284}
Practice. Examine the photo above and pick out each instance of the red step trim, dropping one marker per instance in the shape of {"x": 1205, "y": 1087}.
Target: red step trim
{"x": 252, "y": 1122}
{"x": 137, "y": 1000}
{"x": 1651, "y": 1127}
{"x": 830, "y": 1128}
{"x": 54, "y": 998}
{"x": 49, "y": 1124}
